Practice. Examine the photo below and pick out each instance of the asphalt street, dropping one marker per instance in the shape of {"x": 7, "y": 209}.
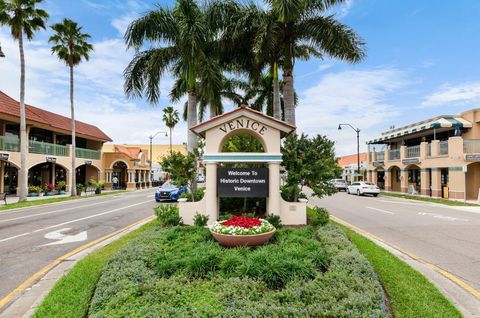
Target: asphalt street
{"x": 33, "y": 237}
{"x": 448, "y": 237}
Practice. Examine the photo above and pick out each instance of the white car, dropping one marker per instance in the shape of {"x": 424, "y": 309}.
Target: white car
{"x": 339, "y": 184}
{"x": 362, "y": 188}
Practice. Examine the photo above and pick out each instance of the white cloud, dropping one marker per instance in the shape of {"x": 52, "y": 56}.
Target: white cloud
{"x": 359, "y": 98}
{"x": 122, "y": 23}
{"x": 454, "y": 94}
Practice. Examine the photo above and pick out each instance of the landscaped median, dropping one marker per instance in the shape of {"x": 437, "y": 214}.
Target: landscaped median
{"x": 178, "y": 271}
{"x": 427, "y": 199}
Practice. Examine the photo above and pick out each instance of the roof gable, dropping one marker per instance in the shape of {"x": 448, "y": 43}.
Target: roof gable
{"x": 243, "y": 111}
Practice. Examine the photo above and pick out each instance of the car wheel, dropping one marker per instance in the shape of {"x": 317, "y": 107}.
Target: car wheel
{"x": 358, "y": 192}
{"x": 348, "y": 192}
{"x": 375, "y": 195}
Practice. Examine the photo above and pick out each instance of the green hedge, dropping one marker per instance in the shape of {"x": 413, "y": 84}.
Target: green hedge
{"x": 182, "y": 272}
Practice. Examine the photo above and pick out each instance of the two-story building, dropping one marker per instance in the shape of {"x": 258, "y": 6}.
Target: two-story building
{"x": 437, "y": 157}
{"x": 49, "y": 147}
{"x": 349, "y": 167}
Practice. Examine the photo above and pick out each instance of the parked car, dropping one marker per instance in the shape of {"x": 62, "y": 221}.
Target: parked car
{"x": 362, "y": 188}
{"x": 339, "y": 184}
{"x": 169, "y": 192}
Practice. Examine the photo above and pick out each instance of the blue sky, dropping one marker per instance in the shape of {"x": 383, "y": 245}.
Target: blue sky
{"x": 422, "y": 61}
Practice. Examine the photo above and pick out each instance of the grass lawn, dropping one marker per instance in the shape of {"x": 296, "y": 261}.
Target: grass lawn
{"x": 410, "y": 293}
{"x": 71, "y": 295}
{"x": 427, "y": 199}
{"x": 52, "y": 200}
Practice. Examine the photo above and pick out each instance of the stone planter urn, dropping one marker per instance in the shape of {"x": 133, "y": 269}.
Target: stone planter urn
{"x": 252, "y": 240}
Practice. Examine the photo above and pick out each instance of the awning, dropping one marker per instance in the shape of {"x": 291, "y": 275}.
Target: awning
{"x": 437, "y": 122}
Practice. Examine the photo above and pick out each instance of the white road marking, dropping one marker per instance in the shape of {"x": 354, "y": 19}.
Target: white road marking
{"x": 50, "y": 212}
{"x": 64, "y": 238}
{"x": 379, "y": 210}
{"x": 73, "y": 221}
{"x": 443, "y": 217}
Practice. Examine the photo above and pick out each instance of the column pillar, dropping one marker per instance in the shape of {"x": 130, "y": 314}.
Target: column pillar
{"x": 273, "y": 200}
{"x": 388, "y": 180}
{"x": 456, "y": 182}
{"x": 211, "y": 202}
{"x": 436, "y": 182}
{"x": 2, "y": 177}
{"x": 131, "y": 180}
{"x": 404, "y": 180}
{"x": 374, "y": 176}
{"x": 52, "y": 174}
{"x": 425, "y": 182}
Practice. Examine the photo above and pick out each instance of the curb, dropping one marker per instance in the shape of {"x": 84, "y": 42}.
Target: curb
{"x": 23, "y": 301}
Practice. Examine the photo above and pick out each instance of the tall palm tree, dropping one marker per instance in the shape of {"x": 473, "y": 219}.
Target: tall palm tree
{"x": 182, "y": 38}
{"x": 23, "y": 18}
{"x": 170, "y": 118}
{"x": 71, "y": 47}
{"x": 301, "y": 21}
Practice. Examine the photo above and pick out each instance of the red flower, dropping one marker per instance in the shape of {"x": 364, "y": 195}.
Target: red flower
{"x": 242, "y": 221}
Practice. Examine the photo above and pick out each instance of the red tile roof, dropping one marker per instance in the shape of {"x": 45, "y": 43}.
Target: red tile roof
{"x": 131, "y": 152}
{"x": 351, "y": 159}
{"x": 11, "y": 107}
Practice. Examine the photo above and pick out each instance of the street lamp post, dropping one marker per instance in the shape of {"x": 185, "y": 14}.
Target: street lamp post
{"x": 1, "y": 52}
{"x": 358, "y": 144}
{"x": 151, "y": 139}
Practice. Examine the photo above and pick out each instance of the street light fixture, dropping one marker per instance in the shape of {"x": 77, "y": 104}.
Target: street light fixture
{"x": 151, "y": 139}
{"x": 1, "y": 52}
{"x": 358, "y": 144}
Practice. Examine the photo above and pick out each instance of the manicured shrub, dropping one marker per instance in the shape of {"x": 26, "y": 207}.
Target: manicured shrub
{"x": 168, "y": 215}
{"x": 274, "y": 220}
{"x": 317, "y": 216}
{"x": 198, "y": 195}
{"x": 200, "y": 219}
{"x": 182, "y": 272}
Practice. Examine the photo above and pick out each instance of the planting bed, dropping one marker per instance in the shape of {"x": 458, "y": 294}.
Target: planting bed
{"x": 183, "y": 272}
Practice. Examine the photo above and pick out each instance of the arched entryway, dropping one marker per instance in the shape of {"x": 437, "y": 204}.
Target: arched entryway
{"x": 85, "y": 172}
{"x": 395, "y": 177}
{"x": 473, "y": 180}
{"x": 119, "y": 174}
{"x": 10, "y": 178}
{"x": 413, "y": 173}
{"x": 46, "y": 173}
{"x": 380, "y": 181}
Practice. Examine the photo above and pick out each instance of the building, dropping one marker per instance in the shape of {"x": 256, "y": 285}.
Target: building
{"x": 49, "y": 147}
{"x": 437, "y": 157}
{"x": 349, "y": 167}
{"x": 138, "y": 155}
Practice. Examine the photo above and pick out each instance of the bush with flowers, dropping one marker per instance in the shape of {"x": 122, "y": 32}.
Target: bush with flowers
{"x": 242, "y": 225}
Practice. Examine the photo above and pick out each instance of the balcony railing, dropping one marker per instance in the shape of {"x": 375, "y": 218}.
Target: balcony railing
{"x": 413, "y": 151}
{"x": 87, "y": 153}
{"x": 394, "y": 154}
{"x": 443, "y": 147}
{"x": 8, "y": 143}
{"x": 47, "y": 148}
{"x": 380, "y": 155}
{"x": 471, "y": 146}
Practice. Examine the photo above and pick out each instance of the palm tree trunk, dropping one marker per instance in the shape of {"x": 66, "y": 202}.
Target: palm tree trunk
{"x": 23, "y": 126}
{"x": 191, "y": 120}
{"x": 170, "y": 140}
{"x": 277, "y": 110}
{"x": 288, "y": 96}
{"x": 73, "y": 187}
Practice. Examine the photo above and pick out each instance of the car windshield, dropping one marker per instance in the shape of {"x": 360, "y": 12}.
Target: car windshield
{"x": 168, "y": 185}
{"x": 340, "y": 181}
{"x": 368, "y": 183}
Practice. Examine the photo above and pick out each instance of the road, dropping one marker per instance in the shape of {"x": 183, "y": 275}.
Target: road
{"x": 448, "y": 237}
{"x": 30, "y": 237}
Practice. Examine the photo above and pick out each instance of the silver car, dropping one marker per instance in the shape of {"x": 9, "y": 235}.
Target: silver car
{"x": 362, "y": 188}
{"x": 339, "y": 184}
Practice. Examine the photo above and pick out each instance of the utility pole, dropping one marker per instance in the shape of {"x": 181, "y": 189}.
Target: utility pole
{"x": 358, "y": 144}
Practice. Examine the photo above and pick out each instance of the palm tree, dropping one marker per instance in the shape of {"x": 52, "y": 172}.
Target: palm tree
{"x": 302, "y": 21}
{"x": 183, "y": 40}
{"x": 171, "y": 118}
{"x": 72, "y": 48}
{"x": 23, "y": 18}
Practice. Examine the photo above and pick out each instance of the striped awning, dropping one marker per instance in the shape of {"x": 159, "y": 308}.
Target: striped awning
{"x": 434, "y": 123}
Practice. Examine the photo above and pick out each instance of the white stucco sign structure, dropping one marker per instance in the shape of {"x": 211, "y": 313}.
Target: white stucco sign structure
{"x": 243, "y": 182}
